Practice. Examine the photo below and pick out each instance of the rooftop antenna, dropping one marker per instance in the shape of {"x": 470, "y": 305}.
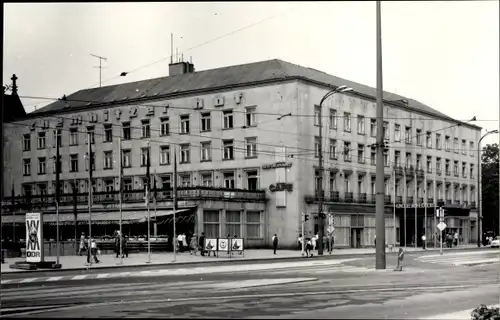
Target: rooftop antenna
{"x": 182, "y": 57}
{"x": 171, "y": 48}
{"x": 100, "y": 66}
{"x": 177, "y": 54}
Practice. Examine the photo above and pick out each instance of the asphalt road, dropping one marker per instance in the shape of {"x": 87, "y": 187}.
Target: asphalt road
{"x": 319, "y": 290}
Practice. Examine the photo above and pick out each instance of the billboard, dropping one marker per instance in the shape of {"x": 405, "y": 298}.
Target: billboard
{"x": 211, "y": 244}
{"x": 223, "y": 245}
{"x": 34, "y": 237}
{"x": 237, "y": 244}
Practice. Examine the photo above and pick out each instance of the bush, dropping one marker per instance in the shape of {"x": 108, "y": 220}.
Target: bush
{"x": 485, "y": 313}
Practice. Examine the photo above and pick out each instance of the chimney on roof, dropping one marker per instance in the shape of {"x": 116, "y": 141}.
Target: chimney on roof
{"x": 179, "y": 68}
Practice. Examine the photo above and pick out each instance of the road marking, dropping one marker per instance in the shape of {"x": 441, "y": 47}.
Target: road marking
{"x": 28, "y": 280}
{"x": 54, "y": 279}
{"x": 102, "y": 275}
{"x": 5, "y": 281}
{"x": 80, "y": 277}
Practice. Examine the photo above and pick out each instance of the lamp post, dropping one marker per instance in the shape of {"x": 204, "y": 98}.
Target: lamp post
{"x": 321, "y": 226}
{"x": 479, "y": 186}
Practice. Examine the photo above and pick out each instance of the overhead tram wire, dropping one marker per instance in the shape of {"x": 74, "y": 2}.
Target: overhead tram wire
{"x": 201, "y": 44}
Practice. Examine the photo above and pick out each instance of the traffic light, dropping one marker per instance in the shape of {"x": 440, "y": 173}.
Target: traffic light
{"x": 306, "y": 217}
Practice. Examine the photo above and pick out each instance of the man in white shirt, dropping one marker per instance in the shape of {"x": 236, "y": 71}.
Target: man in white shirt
{"x": 313, "y": 240}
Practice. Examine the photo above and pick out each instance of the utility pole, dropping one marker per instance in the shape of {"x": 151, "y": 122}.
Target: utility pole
{"x": 90, "y": 162}
{"x": 75, "y": 214}
{"x": 148, "y": 186}
{"x": 100, "y": 66}
{"x": 120, "y": 190}
{"x": 380, "y": 219}
{"x": 321, "y": 221}
{"x": 58, "y": 187}
{"x": 174, "y": 238}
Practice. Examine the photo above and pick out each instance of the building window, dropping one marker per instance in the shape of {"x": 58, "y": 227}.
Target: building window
{"x": 252, "y": 180}
{"x": 228, "y": 150}
{"x": 41, "y": 140}
{"x": 438, "y": 165}
{"x": 333, "y": 149}
{"x": 144, "y": 157}
{"x": 74, "y": 163}
{"x": 126, "y": 158}
{"x": 26, "y": 142}
{"x": 438, "y": 141}
{"x": 464, "y": 147}
{"x": 419, "y": 137}
{"x": 185, "y": 124}
{"x": 250, "y": 117}
{"x": 317, "y": 115}
{"x": 447, "y": 167}
{"x": 73, "y": 137}
{"x": 185, "y": 153}
{"x": 455, "y": 167}
{"x": 373, "y": 156}
{"x": 206, "y": 179}
{"x": 228, "y": 119}
{"x": 317, "y": 181}
{"x": 91, "y": 133}
{"x": 361, "y": 125}
{"x": 471, "y": 171}
{"x": 397, "y": 158}
{"x": 429, "y": 164}
{"x": 455, "y": 145}
{"x": 164, "y": 155}
{"x": 27, "y": 190}
{"x": 251, "y": 147}
{"x": 361, "y": 153}
{"x": 206, "y": 122}
{"x": 386, "y": 157}
{"x": 408, "y": 135}
{"x": 361, "y": 184}
{"x": 211, "y": 225}
{"x": 316, "y": 147}
{"x": 127, "y": 184}
{"x": 108, "y": 133}
{"x": 164, "y": 126}
{"x": 233, "y": 223}
{"x": 347, "y": 122}
{"x": 254, "y": 225}
{"x": 373, "y": 127}
{"x": 347, "y": 151}
{"x": 92, "y": 159}
{"x": 408, "y": 160}
{"x": 185, "y": 180}
{"x": 229, "y": 180}
{"x": 42, "y": 189}
{"x": 166, "y": 182}
{"x": 108, "y": 159}
{"x": 333, "y": 119}
{"x": 419, "y": 162}
{"x": 471, "y": 149}
{"x": 333, "y": 181}
{"x": 347, "y": 183}
{"x": 397, "y": 132}
{"x": 42, "y": 166}
{"x": 145, "y": 129}
{"x": 27, "y": 167}
{"x": 447, "y": 143}
{"x": 206, "y": 151}
{"x": 386, "y": 130}
{"x": 109, "y": 185}
{"x": 428, "y": 139}
{"x": 464, "y": 170}
{"x": 126, "y": 131}
{"x": 57, "y": 137}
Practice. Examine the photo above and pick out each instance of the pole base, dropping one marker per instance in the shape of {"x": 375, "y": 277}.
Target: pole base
{"x": 399, "y": 268}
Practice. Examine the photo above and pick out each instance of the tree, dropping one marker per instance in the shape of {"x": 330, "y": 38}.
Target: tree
{"x": 490, "y": 189}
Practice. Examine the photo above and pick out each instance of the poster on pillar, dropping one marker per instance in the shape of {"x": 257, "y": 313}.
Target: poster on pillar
{"x": 210, "y": 244}
{"x": 236, "y": 244}
{"x": 34, "y": 237}
{"x": 223, "y": 245}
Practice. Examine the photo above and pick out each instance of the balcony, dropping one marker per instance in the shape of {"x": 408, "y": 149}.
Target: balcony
{"x": 448, "y": 173}
{"x": 334, "y": 196}
{"x": 438, "y": 172}
{"x": 448, "y": 201}
{"x": 456, "y": 174}
{"x": 134, "y": 196}
{"x": 399, "y": 199}
{"x": 348, "y": 197}
{"x": 373, "y": 198}
{"x": 420, "y": 200}
{"x": 420, "y": 173}
{"x": 362, "y": 197}
{"x": 430, "y": 200}
{"x": 398, "y": 170}
{"x": 409, "y": 200}
{"x": 410, "y": 171}
{"x": 465, "y": 204}
{"x": 473, "y": 204}
{"x": 457, "y": 202}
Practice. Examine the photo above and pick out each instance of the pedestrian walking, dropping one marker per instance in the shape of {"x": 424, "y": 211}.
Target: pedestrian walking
{"x": 424, "y": 240}
{"x": 125, "y": 246}
{"x": 330, "y": 242}
{"x": 201, "y": 243}
{"x": 184, "y": 241}
{"x": 180, "y": 243}
{"x": 313, "y": 241}
{"x": 308, "y": 247}
{"x": 275, "y": 243}
{"x": 83, "y": 244}
{"x": 193, "y": 245}
{"x": 299, "y": 241}
{"x": 93, "y": 252}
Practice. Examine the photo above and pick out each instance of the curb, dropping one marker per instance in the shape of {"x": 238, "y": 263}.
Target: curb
{"x": 217, "y": 262}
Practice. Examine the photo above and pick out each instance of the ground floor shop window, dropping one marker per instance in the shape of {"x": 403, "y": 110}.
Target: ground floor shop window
{"x": 254, "y": 225}
{"x": 211, "y": 224}
{"x": 233, "y": 223}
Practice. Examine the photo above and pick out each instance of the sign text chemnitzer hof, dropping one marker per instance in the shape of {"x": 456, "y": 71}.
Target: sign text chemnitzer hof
{"x": 277, "y": 165}
{"x": 34, "y": 237}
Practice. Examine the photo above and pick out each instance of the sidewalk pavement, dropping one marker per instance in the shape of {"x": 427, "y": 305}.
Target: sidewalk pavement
{"x": 460, "y": 315}
{"x": 167, "y": 258}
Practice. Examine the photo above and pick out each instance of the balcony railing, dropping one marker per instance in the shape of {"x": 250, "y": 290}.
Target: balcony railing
{"x": 334, "y": 196}
{"x": 430, "y": 200}
{"x": 399, "y": 199}
{"x": 448, "y": 201}
{"x": 409, "y": 200}
{"x": 473, "y": 204}
{"x": 387, "y": 199}
{"x": 448, "y": 173}
{"x": 420, "y": 173}
{"x": 348, "y": 197}
{"x": 398, "y": 170}
{"x": 438, "y": 172}
{"x": 134, "y": 196}
{"x": 420, "y": 200}
{"x": 362, "y": 198}
{"x": 410, "y": 171}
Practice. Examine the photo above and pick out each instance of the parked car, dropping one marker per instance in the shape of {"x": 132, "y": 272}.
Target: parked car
{"x": 495, "y": 243}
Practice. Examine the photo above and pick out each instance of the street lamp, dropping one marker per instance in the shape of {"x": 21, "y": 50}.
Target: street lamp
{"x": 321, "y": 226}
{"x": 479, "y": 186}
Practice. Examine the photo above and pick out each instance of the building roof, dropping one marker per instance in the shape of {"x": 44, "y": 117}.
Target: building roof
{"x": 221, "y": 78}
{"x": 13, "y": 108}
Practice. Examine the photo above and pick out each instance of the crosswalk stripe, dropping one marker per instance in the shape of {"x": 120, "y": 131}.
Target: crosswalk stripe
{"x": 28, "y": 280}
{"x": 80, "y": 277}
{"x": 6, "y": 281}
{"x": 54, "y": 278}
{"x": 102, "y": 275}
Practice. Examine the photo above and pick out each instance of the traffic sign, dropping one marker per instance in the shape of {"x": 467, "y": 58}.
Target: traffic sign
{"x": 331, "y": 229}
{"x": 441, "y": 226}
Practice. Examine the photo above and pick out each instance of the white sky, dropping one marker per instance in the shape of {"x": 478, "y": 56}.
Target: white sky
{"x": 444, "y": 54}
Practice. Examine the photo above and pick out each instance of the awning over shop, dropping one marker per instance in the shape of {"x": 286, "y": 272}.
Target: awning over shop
{"x": 128, "y": 217}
